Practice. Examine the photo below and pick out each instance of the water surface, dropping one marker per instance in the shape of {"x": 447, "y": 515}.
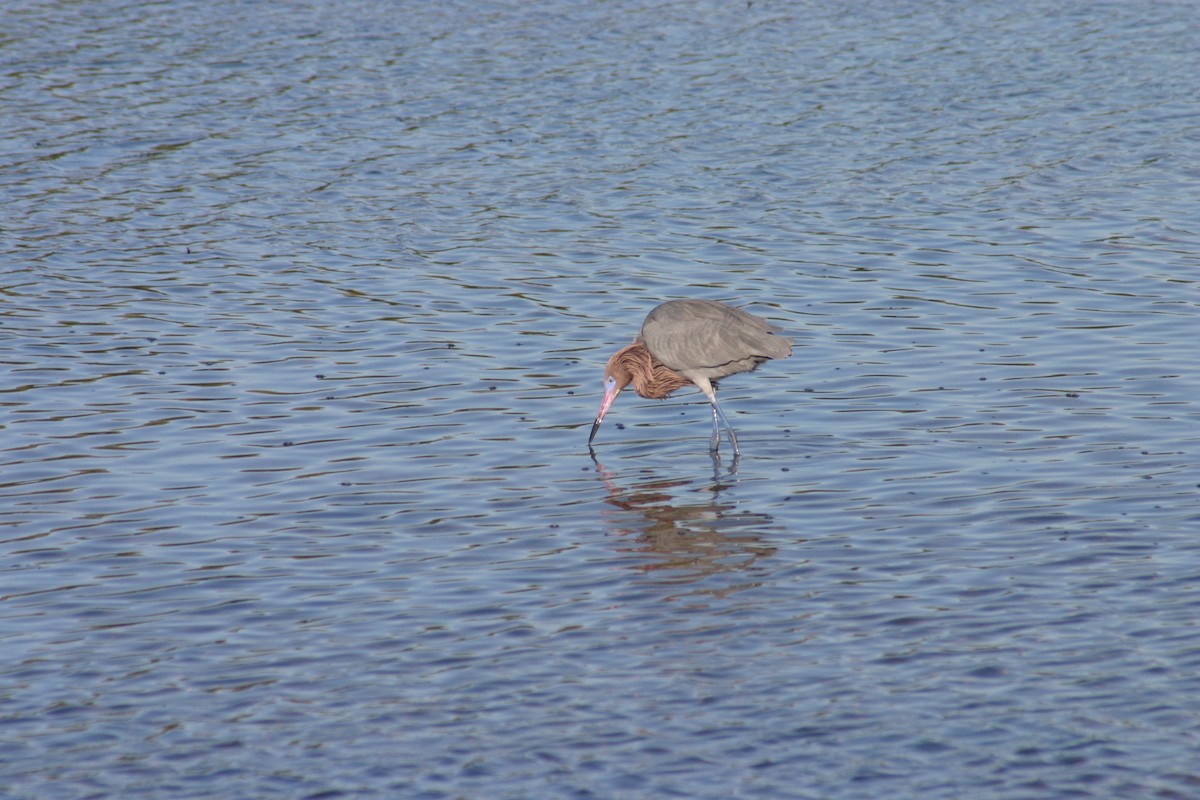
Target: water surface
{"x": 302, "y": 317}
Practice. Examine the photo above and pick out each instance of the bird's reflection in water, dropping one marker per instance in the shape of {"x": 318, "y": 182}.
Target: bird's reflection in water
{"x": 686, "y": 541}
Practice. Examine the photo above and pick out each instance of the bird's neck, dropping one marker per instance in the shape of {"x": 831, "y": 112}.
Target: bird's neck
{"x": 650, "y": 378}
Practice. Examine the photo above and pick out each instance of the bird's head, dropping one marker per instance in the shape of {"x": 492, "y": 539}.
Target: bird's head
{"x": 616, "y": 377}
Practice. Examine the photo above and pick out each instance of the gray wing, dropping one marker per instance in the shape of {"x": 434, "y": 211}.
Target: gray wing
{"x": 703, "y": 337}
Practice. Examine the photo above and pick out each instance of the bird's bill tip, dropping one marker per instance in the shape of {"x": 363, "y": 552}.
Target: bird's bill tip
{"x": 610, "y": 394}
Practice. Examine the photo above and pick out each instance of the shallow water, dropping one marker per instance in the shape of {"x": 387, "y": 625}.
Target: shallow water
{"x": 302, "y": 322}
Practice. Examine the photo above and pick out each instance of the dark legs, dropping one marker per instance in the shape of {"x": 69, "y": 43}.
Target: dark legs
{"x": 706, "y": 386}
{"x": 719, "y": 415}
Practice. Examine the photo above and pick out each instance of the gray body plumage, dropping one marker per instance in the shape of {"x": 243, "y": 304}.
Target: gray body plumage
{"x": 705, "y": 341}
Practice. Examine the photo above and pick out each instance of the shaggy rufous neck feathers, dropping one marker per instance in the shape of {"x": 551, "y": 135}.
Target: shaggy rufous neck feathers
{"x": 650, "y": 379}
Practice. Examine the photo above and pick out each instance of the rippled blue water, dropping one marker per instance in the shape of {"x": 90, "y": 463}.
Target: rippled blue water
{"x": 303, "y": 310}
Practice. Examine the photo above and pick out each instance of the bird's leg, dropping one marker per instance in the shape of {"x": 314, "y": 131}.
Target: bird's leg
{"x": 719, "y": 414}
{"x": 715, "y": 441}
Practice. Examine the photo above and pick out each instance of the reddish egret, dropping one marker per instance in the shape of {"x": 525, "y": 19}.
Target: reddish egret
{"x": 691, "y": 342}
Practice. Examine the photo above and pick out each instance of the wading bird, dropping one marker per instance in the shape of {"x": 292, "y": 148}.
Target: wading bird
{"x": 691, "y": 342}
